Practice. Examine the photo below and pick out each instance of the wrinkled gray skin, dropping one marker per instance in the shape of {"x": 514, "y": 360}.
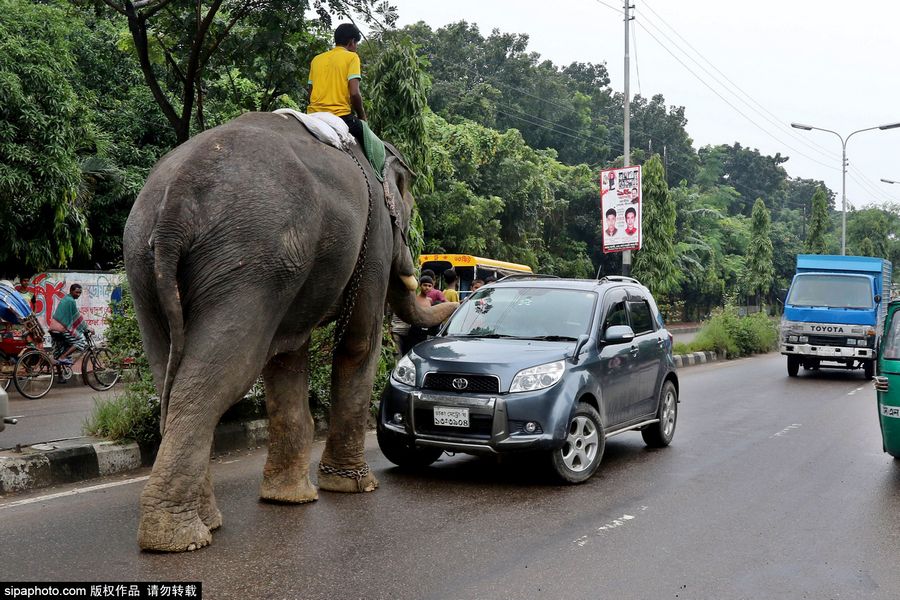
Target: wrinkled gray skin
{"x": 242, "y": 241}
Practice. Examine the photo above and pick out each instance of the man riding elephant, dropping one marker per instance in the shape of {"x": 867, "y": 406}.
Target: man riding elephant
{"x": 334, "y": 78}
{"x": 243, "y": 240}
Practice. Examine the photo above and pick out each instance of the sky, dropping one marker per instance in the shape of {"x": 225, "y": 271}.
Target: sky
{"x": 827, "y": 63}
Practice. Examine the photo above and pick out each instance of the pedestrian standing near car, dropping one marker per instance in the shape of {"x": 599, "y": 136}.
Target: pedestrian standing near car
{"x": 451, "y": 281}
{"x": 68, "y": 323}
{"x": 434, "y": 294}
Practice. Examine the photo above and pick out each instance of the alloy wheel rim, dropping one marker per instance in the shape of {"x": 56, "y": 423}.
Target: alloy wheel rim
{"x": 668, "y": 416}
{"x": 581, "y": 446}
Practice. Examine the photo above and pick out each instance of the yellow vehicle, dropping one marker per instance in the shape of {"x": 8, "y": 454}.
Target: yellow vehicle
{"x": 469, "y": 268}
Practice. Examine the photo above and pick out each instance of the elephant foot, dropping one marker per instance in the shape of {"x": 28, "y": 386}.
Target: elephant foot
{"x": 211, "y": 517}
{"x": 351, "y": 481}
{"x": 163, "y": 531}
{"x": 273, "y": 489}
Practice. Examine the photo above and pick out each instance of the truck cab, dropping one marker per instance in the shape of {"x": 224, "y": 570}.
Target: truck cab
{"x": 834, "y": 313}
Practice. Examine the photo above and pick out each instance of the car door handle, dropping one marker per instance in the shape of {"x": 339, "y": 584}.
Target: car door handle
{"x": 633, "y": 351}
{"x": 660, "y": 342}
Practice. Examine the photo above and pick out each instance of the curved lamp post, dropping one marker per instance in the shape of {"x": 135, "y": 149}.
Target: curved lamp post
{"x": 844, "y": 141}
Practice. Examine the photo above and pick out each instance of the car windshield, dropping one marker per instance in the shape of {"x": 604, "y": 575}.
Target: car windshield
{"x": 523, "y": 312}
{"x": 837, "y": 291}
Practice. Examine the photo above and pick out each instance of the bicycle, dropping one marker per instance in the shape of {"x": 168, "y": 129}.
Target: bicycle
{"x": 35, "y": 370}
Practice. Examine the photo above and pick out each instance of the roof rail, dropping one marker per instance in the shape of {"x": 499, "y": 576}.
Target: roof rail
{"x": 528, "y": 276}
{"x": 620, "y": 278}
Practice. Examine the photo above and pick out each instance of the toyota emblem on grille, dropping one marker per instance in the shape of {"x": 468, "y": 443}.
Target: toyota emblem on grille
{"x": 460, "y": 383}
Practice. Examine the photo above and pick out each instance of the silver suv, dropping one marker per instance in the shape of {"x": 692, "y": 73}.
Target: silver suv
{"x": 546, "y": 365}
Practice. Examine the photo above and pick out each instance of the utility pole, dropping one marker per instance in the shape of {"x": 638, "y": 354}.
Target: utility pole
{"x": 626, "y": 256}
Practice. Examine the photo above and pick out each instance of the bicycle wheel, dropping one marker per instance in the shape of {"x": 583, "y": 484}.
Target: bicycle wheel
{"x": 33, "y": 376}
{"x": 99, "y": 369}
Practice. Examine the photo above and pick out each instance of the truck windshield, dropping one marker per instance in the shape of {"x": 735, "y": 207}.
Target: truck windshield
{"x": 836, "y": 291}
{"x": 533, "y": 313}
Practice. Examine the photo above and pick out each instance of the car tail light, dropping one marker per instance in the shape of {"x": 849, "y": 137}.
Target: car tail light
{"x": 881, "y": 384}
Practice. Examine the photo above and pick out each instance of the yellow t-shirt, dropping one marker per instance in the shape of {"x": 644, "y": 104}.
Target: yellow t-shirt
{"x": 451, "y": 295}
{"x": 329, "y": 73}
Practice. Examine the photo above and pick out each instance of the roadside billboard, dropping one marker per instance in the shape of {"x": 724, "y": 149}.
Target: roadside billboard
{"x": 620, "y": 209}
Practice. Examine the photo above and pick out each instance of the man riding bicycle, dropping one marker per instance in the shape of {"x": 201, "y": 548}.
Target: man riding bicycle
{"x": 67, "y": 326}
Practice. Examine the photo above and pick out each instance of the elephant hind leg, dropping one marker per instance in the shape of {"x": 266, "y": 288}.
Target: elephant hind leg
{"x": 286, "y": 474}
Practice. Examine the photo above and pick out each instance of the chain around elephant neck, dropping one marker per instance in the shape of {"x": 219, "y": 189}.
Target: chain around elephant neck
{"x": 353, "y": 287}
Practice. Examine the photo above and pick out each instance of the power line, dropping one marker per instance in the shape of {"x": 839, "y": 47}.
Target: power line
{"x": 721, "y": 97}
{"x": 775, "y": 119}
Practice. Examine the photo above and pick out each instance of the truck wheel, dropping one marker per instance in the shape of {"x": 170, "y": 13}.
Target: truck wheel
{"x": 793, "y": 364}
{"x": 869, "y": 369}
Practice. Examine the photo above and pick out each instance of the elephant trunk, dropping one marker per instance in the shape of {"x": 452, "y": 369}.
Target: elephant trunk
{"x": 405, "y": 306}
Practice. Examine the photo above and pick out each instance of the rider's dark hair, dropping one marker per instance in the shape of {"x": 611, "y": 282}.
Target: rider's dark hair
{"x": 74, "y": 286}
{"x": 345, "y": 33}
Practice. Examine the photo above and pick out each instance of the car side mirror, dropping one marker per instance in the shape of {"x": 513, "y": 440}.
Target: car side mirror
{"x": 618, "y": 334}
{"x": 579, "y": 346}
{"x": 877, "y": 298}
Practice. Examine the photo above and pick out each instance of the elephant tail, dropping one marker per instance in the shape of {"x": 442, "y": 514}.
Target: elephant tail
{"x": 168, "y": 248}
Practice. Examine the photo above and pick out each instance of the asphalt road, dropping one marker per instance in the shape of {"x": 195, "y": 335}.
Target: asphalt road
{"x": 772, "y": 488}
{"x": 57, "y": 416}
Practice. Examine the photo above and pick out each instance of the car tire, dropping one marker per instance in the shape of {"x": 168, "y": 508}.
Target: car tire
{"x": 580, "y": 455}
{"x": 869, "y": 369}
{"x": 659, "y": 435}
{"x": 793, "y": 365}
{"x": 400, "y": 450}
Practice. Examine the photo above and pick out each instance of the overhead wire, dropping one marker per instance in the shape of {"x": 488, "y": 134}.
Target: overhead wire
{"x": 772, "y": 117}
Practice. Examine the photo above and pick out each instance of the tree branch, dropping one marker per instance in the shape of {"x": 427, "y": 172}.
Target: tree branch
{"x": 138, "y": 28}
{"x": 193, "y": 68}
{"x": 116, "y": 7}
{"x": 208, "y": 54}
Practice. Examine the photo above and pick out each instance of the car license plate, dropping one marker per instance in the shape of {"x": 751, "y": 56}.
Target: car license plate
{"x": 451, "y": 417}
{"x": 887, "y": 411}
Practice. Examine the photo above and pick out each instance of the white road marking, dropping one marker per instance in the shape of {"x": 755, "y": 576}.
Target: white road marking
{"x": 583, "y": 540}
{"x": 74, "y": 492}
{"x": 786, "y": 430}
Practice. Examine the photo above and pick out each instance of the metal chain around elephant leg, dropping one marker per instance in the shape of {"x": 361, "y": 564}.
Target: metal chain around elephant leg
{"x": 353, "y": 290}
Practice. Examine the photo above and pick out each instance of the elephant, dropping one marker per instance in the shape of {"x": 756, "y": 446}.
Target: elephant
{"x": 242, "y": 241}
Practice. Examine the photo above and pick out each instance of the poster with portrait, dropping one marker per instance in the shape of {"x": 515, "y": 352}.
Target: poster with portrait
{"x": 620, "y": 209}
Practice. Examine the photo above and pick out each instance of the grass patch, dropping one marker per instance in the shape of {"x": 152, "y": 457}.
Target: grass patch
{"x": 729, "y": 333}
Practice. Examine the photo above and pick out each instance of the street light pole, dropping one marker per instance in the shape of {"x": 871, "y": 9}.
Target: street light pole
{"x": 843, "y": 170}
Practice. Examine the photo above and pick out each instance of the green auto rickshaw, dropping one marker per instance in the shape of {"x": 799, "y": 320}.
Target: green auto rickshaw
{"x": 887, "y": 383}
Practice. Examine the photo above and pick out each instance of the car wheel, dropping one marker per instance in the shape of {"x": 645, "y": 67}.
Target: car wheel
{"x": 793, "y": 365}
{"x": 402, "y": 451}
{"x": 659, "y": 435}
{"x": 582, "y": 451}
{"x": 869, "y": 369}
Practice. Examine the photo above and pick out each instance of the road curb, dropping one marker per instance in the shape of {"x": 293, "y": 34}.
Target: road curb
{"x": 67, "y": 461}
{"x": 697, "y": 358}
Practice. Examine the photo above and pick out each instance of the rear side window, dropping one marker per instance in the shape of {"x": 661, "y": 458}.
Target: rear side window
{"x": 891, "y": 340}
{"x": 641, "y": 317}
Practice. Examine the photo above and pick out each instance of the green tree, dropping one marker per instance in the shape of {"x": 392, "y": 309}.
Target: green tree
{"x": 398, "y": 96}
{"x": 760, "y": 268}
{"x": 43, "y": 128}
{"x": 866, "y": 248}
{"x": 182, "y": 46}
{"x": 818, "y": 226}
{"x": 654, "y": 264}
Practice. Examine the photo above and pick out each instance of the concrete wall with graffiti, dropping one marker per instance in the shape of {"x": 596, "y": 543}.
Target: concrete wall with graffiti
{"x": 95, "y": 301}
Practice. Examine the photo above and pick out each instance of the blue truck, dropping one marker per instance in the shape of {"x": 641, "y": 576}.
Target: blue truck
{"x": 834, "y": 312}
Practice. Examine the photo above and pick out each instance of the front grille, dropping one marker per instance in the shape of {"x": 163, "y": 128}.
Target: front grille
{"x": 479, "y": 425}
{"x": 477, "y": 384}
{"x": 830, "y": 340}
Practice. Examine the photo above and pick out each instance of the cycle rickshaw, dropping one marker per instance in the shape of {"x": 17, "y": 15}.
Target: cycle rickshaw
{"x": 25, "y": 362}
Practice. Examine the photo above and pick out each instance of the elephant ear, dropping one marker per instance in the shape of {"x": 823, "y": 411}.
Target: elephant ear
{"x": 399, "y": 156}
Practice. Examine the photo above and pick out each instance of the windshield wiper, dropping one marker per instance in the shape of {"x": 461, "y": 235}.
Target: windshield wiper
{"x": 492, "y": 336}
{"x": 554, "y": 338}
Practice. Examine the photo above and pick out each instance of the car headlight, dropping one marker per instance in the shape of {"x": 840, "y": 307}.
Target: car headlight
{"x": 538, "y": 378}
{"x": 405, "y": 371}
{"x": 788, "y": 327}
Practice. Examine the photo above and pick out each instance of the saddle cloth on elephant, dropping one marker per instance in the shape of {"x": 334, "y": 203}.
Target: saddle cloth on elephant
{"x": 332, "y": 130}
